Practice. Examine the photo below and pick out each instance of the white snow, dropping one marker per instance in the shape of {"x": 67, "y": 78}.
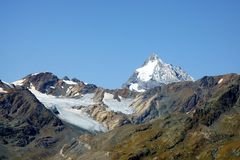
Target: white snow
{"x": 116, "y": 106}
{"x": 134, "y": 87}
{"x": 69, "y": 89}
{"x": 19, "y": 82}
{"x": 145, "y": 72}
{"x": 2, "y": 90}
{"x": 80, "y": 118}
{"x": 154, "y": 73}
{"x": 34, "y": 74}
{"x": 61, "y": 151}
{"x": 108, "y": 96}
{"x": 76, "y": 94}
{"x": 220, "y": 81}
{"x": 67, "y": 113}
{"x": 52, "y": 87}
{"x": 69, "y": 82}
{"x": 8, "y": 84}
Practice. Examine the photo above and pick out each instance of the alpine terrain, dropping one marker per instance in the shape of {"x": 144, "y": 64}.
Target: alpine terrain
{"x": 159, "y": 113}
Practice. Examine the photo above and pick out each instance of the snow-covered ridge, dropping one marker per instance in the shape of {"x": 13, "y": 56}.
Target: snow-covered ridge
{"x": 8, "y": 84}
{"x": 69, "y": 82}
{"x": 37, "y": 73}
{"x": 154, "y": 73}
{"x": 4, "y": 86}
{"x": 19, "y": 82}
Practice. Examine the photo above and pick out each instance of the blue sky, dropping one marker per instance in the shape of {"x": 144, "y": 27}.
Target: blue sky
{"x": 103, "y": 42}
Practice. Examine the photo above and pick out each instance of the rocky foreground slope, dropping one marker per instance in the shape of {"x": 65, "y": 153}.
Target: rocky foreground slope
{"x": 182, "y": 120}
{"x": 190, "y": 120}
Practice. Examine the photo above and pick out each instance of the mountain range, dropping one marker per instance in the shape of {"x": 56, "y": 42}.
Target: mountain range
{"x": 159, "y": 113}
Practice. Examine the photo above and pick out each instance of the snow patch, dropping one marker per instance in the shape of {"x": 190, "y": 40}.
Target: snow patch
{"x": 37, "y": 73}
{"x": 69, "y": 89}
{"x": 34, "y": 74}
{"x": 220, "y": 81}
{"x": 52, "y": 87}
{"x": 19, "y": 82}
{"x": 134, "y": 87}
{"x": 2, "y": 90}
{"x": 118, "y": 106}
{"x": 69, "y": 82}
{"x": 76, "y": 94}
{"x": 67, "y": 113}
{"x": 108, "y": 96}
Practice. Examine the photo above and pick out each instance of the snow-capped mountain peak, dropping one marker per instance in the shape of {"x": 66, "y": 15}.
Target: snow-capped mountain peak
{"x": 145, "y": 73}
{"x": 154, "y": 57}
{"x": 154, "y": 72}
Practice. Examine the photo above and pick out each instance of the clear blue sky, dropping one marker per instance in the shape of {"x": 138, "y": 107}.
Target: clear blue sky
{"x": 103, "y": 42}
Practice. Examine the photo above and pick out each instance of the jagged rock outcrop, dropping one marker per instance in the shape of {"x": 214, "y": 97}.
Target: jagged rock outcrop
{"x": 108, "y": 118}
{"x": 48, "y": 83}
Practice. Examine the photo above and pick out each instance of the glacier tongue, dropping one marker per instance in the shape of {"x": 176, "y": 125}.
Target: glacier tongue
{"x": 155, "y": 72}
{"x": 66, "y": 112}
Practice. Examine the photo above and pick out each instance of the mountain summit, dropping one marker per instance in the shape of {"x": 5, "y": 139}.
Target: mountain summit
{"x": 154, "y": 72}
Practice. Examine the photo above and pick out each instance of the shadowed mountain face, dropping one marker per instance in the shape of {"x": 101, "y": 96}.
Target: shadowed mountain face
{"x": 28, "y": 127}
{"x": 22, "y": 117}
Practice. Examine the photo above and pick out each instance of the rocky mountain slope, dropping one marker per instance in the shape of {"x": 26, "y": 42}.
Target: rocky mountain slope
{"x": 45, "y": 117}
{"x": 182, "y": 97}
{"x": 198, "y": 120}
{"x": 27, "y": 128}
{"x": 154, "y": 72}
{"x": 83, "y": 105}
{"x": 48, "y": 83}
